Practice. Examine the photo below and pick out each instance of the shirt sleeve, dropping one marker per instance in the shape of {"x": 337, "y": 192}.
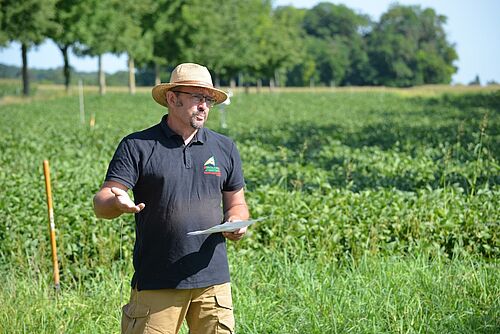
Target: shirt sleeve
{"x": 235, "y": 179}
{"x": 124, "y": 167}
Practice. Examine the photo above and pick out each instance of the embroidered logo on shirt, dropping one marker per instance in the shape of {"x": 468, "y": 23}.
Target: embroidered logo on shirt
{"x": 210, "y": 168}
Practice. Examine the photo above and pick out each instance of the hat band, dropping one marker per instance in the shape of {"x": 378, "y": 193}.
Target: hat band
{"x": 193, "y": 82}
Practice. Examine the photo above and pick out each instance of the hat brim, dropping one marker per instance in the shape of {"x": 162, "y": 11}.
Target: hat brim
{"x": 159, "y": 92}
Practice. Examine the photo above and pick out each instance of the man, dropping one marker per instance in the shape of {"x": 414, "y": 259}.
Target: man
{"x": 180, "y": 173}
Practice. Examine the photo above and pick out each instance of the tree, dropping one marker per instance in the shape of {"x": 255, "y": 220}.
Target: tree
{"x": 281, "y": 43}
{"x": 26, "y": 22}
{"x": 476, "y": 81}
{"x": 326, "y": 20}
{"x": 409, "y": 47}
{"x": 103, "y": 27}
{"x": 165, "y": 30}
{"x": 302, "y": 66}
{"x": 336, "y": 41}
{"x": 245, "y": 39}
{"x": 436, "y": 55}
{"x": 228, "y": 42}
{"x": 4, "y": 38}
{"x": 69, "y": 29}
{"x": 134, "y": 38}
{"x": 331, "y": 59}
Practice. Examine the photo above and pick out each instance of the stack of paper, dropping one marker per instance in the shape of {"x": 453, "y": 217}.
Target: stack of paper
{"x": 227, "y": 226}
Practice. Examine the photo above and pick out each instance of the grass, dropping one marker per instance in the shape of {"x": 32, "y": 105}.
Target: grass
{"x": 411, "y": 180}
{"x": 371, "y": 295}
{"x": 274, "y": 293}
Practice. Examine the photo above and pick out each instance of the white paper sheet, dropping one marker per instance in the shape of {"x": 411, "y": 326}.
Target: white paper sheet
{"x": 227, "y": 226}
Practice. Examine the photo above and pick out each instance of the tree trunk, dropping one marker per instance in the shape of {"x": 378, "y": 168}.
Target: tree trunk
{"x": 157, "y": 74}
{"x": 26, "y": 79}
{"x": 66, "y": 69}
{"x": 131, "y": 75}
{"x": 102, "y": 77}
{"x": 259, "y": 85}
{"x": 240, "y": 80}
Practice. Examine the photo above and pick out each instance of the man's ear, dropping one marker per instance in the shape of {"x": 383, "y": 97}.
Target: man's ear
{"x": 171, "y": 98}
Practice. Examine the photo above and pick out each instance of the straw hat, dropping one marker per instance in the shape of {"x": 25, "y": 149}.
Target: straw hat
{"x": 188, "y": 75}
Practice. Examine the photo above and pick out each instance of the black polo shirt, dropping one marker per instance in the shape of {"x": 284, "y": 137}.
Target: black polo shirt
{"x": 182, "y": 187}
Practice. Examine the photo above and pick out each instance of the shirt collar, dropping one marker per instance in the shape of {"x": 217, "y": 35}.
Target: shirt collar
{"x": 200, "y": 136}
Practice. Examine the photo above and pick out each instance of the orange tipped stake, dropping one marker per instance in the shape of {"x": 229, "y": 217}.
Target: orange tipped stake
{"x": 52, "y": 226}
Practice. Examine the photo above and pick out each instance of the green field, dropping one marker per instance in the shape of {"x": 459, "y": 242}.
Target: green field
{"x": 383, "y": 212}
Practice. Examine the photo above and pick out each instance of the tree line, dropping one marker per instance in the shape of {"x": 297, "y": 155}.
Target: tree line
{"x": 56, "y": 76}
{"x": 245, "y": 42}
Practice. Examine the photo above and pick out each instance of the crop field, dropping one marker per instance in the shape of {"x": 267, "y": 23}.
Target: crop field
{"x": 382, "y": 212}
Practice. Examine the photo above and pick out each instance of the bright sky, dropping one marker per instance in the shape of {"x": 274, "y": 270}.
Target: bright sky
{"x": 473, "y": 26}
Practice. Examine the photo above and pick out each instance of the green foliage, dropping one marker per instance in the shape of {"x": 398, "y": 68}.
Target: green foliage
{"x": 69, "y": 28}
{"x": 70, "y": 22}
{"x": 335, "y": 41}
{"x": 164, "y": 24}
{"x": 409, "y": 47}
{"x": 99, "y": 24}
{"x": 335, "y": 173}
{"x": 326, "y": 20}
{"x": 373, "y": 173}
{"x": 3, "y": 35}
{"x": 240, "y": 37}
{"x": 27, "y": 22}
{"x": 367, "y": 195}
{"x": 331, "y": 59}
{"x": 327, "y": 44}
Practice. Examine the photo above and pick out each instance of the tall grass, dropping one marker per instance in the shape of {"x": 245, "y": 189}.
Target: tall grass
{"x": 277, "y": 293}
{"x": 370, "y": 295}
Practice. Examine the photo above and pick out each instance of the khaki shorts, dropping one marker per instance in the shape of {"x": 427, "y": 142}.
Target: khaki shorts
{"x": 206, "y": 310}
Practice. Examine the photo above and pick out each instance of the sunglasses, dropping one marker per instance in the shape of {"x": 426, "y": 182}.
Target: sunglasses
{"x": 199, "y": 98}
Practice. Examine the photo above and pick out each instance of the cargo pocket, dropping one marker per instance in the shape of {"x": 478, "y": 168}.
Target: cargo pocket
{"x": 134, "y": 318}
{"x": 225, "y": 315}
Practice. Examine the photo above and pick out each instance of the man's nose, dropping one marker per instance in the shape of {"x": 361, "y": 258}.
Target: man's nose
{"x": 203, "y": 104}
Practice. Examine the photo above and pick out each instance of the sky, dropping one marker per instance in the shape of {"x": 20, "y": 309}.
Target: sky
{"x": 472, "y": 26}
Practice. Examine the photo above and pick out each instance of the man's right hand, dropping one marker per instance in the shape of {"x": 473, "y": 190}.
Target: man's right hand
{"x": 112, "y": 200}
{"x": 124, "y": 203}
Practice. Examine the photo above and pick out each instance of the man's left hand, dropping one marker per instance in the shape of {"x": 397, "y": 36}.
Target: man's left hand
{"x": 236, "y": 235}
